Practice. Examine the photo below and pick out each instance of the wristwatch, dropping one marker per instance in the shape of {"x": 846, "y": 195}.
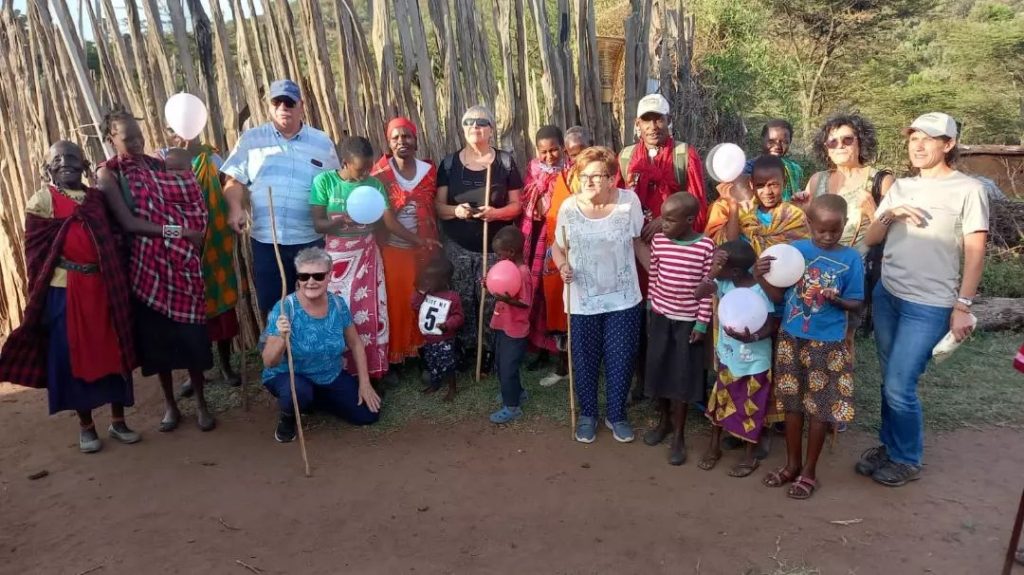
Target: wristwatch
{"x": 965, "y": 300}
{"x": 963, "y": 304}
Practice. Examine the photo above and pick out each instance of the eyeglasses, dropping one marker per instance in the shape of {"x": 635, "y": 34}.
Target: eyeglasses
{"x": 845, "y": 141}
{"x": 288, "y": 102}
{"x": 593, "y": 178}
{"x": 318, "y": 276}
{"x": 478, "y": 122}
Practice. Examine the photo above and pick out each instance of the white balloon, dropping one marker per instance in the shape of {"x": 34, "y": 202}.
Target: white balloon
{"x": 365, "y": 205}
{"x": 186, "y": 115}
{"x": 725, "y": 162}
{"x": 788, "y": 267}
{"x": 743, "y": 308}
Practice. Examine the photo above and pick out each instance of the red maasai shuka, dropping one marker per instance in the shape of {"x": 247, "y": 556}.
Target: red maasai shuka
{"x": 423, "y": 195}
{"x": 23, "y": 358}
{"x": 166, "y": 274}
{"x": 656, "y": 179}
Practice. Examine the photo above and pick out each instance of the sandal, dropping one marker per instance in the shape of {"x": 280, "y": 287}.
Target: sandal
{"x": 708, "y": 462}
{"x": 743, "y": 468}
{"x": 802, "y": 488}
{"x": 779, "y": 477}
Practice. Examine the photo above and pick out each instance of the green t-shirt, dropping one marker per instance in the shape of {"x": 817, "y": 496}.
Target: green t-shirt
{"x": 332, "y": 192}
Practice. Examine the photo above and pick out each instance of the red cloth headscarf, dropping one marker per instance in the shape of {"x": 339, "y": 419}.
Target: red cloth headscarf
{"x": 398, "y": 122}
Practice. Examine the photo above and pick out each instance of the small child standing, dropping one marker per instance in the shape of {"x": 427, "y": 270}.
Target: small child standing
{"x": 511, "y": 326}
{"x": 677, "y": 321}
{"x": 439, "y": 313}
{"x": 739, "y": 399}
{"x": 813, "y": 366}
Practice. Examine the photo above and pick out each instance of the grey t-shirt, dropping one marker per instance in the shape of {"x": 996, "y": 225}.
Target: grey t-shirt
{"x": 922, "y": 264}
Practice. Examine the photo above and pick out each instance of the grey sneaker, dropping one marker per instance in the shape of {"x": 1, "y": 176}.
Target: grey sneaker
{"x": 123, "y": 434}
{"x": 89, "y": 441}
{"x": 871, "y": 460}
{"x": 896, "y": 474}
{"x": 622, "y": 431}
{"x": 586, "y": 429}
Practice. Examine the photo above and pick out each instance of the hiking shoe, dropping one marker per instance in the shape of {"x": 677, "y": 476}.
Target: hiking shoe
{"x": 896, "y": 474}
{"x": 586, "y": 429}
{"x": 506, "y": 414}
{"x": 871, "y": 460}
{"x": 285, "y": 429}
{"x": 89, "y": 441}
{"x": 622, "y": 431}
{"x": 522, "y": 397}
{"x": 123, "y": 433}
{"x": 551, "y": 379}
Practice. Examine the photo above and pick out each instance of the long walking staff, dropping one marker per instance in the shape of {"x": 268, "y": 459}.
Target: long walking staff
{"x": 244, "y": 255}
{"x": 483, "y": 289}
{"x": 1011, "y": 553}
{"x": 568, "y": 344}
{"x": 287, "y": 337}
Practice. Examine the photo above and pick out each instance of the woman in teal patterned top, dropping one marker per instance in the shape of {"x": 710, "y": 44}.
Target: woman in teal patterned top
{"x": 321, "y": 330}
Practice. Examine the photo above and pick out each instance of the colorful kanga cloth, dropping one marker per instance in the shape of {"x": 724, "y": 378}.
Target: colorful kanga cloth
{"x": 24, "y": 355}
{"x": 787, "y": 224}
{"x": 538, "y": 194}
{"x": 166, "y": 274}
{"x": 219, "y": 249}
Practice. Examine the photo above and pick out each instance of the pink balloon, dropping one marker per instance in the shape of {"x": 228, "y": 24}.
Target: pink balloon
{"x": 504, "y": 279}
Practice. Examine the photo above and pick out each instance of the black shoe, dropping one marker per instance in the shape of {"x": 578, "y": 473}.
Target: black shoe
{"x": 186, "y": 390}
{"x": 871, "y": 460}
{"x": 896, "y": 474}
{"x": 656, "y": 436}
{"x": 285, "y": 429}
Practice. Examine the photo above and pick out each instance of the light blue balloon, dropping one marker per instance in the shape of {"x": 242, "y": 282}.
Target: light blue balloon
{"x": 365, "y": 205}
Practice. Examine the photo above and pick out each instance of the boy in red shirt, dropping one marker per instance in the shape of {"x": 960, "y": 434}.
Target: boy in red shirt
{"x": 511, "y": 327}
{"x": 439, "y": 316}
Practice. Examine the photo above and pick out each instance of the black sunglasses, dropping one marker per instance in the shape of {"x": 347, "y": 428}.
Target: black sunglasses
{"x": 288, "y": 102}
{"x": 318, "y": 276}
{"x": 478, "y": 122}
{"x": 845, "y": 141}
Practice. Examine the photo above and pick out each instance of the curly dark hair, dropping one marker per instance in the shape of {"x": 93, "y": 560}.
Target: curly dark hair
{"x": 114, "y": 116}
{"x": 867, "y": 138}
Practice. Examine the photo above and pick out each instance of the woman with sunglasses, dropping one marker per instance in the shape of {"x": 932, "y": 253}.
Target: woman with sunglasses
{"x": 847, "y": 144}
{"x": 461, "y": 182}
{"x": 321, "y": 329}
{"x": 597, "y": 244}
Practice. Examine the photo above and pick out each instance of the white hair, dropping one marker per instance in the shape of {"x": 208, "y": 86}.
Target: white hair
{"x": 313, "y": 255}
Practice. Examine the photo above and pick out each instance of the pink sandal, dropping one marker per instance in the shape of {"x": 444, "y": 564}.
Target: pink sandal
{"x": 802, "y": 488}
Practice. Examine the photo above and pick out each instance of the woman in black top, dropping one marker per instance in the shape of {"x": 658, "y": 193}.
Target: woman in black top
{"x": 461, "y": 180}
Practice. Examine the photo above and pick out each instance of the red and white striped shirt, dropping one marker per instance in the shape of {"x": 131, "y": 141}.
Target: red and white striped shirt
{"x": 676, "y": 269}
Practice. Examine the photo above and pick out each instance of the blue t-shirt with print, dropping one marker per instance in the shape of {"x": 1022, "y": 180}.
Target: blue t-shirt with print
{"x": 808, "y": 315}
{"x": 317, "y": 342}
{"x": 743, "y": 359}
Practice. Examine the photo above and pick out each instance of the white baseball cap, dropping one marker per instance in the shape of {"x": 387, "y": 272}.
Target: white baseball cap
{"x": 655, "y": 103}
{"x": 934, "y": 124}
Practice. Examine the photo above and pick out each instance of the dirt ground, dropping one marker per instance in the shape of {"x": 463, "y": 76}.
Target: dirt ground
{"x": 472, "y": 499}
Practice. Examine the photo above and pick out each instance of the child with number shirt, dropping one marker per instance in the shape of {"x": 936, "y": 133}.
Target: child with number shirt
{"x": 813, "y": 366}
{"x": 511, "y": 326}
{"x": 439, "y": 313}
{"x": 739, "y": 400}
{"x": 677, "y": 320}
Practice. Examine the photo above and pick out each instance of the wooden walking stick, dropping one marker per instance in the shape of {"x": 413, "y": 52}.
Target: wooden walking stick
{"x": 483, "y": 288}
{"x": 287, "y": 337}
{"x": 568, "y": 338}
{"x": 1011, "y": 553}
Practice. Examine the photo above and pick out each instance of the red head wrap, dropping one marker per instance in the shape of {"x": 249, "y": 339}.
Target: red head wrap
{"x": 399, "y": 123}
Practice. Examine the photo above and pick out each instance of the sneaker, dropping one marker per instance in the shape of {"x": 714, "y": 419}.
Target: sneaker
{"x": 123, "y": 433}
{"x": 622, "y": 431}
{"x": 506, "y": 414}
{"x": 896, "y": 474}
{"x": 285, "y": 429}
{"x": 551, "y": 379}
{"x": 871, "y": 460}
{"x": 89, "y": 441}
{"x": 586, "y": 429}
{"x": 522, "y": 397}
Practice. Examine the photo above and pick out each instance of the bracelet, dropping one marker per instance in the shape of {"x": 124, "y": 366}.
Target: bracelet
{"x": 885, "y": 220}
{"x": 172, "y": 232}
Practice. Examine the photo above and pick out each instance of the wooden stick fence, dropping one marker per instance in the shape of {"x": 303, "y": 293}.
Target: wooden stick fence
{"x": 359, "y": 62}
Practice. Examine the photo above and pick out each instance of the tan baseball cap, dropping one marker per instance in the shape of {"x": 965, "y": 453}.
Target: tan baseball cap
{"x": 653, "y": 103}
{"x": 934, "y": 124}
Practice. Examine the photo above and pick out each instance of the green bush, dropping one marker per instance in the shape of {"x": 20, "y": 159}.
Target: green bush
{"x": 1003, "y": 276}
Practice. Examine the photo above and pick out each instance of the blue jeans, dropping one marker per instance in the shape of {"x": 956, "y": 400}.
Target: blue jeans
{"x": 613, "y": 339}
{"x": 267, "y": 277}
{"x": 905, "y": 334}
{"x": 340, "y": 397}
{"x": 508, "y": 356}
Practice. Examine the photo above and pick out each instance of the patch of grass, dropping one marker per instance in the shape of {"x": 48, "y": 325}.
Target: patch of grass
{"x": 1003, "y": 275}
{"x": 976, "y": 386}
